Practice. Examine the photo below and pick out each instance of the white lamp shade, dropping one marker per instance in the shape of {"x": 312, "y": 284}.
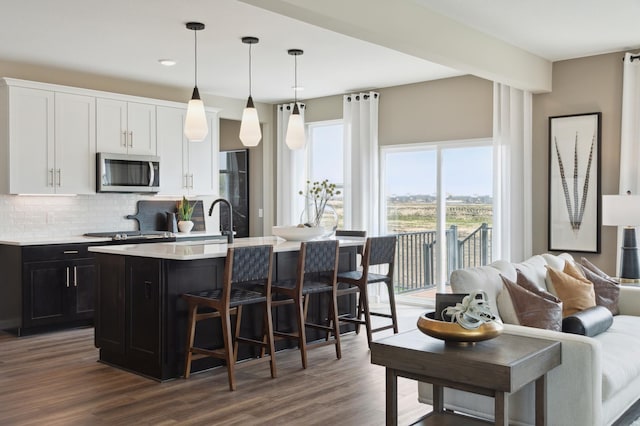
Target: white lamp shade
{"x": 295, "y": 132}
{"x": 195, "y": 124}
{"x": 250, "y": 133}
{"x": 621, "y": 210}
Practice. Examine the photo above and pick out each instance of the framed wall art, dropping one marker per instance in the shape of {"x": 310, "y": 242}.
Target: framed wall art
{"x": 574, "y": 183}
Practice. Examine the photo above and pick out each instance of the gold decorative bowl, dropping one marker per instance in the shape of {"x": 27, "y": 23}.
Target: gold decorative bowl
{"x": 454, "y": 332}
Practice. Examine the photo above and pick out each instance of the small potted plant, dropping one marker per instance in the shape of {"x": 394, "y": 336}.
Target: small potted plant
{"x": 185, "y": 211}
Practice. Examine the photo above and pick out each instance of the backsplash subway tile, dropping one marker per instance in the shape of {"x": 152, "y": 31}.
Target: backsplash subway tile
{"x": 43, "y": 216}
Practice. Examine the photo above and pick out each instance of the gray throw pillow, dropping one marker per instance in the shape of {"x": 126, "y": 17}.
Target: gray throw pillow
{"x": 607, "y": 290}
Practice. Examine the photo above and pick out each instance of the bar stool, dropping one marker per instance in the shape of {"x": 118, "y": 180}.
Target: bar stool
{"x": 245, "y": 268}
{"x": 316, "y": 274}
{"x": 377, "y": 251}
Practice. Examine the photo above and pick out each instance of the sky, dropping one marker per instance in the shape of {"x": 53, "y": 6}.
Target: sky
{"x": 467, "y": 171}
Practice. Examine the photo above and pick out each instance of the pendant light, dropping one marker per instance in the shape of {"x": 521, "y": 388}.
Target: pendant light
{"x": 195, "y": 124}
{"x": 250, "y": 133}
{"x": 295, "y": 129}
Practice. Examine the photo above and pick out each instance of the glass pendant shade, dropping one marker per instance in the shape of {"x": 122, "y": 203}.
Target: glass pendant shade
{"x": 295, "y": 130}
{"x": 195, "y": 124}
{"x": 250, "y": 132}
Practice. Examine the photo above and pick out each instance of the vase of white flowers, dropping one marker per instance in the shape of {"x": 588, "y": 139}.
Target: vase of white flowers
{"x": 317, "y": 212}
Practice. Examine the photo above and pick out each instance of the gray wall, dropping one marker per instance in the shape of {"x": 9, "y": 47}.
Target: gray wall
{"x": 440, "y": 110}
{"x": 591, "y": 84}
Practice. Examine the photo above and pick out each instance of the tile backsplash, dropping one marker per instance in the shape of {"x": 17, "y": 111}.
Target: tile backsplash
{"x": 59, "y": 216}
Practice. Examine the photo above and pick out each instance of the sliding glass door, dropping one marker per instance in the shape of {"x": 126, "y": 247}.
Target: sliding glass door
{"x": 438, "y": 199}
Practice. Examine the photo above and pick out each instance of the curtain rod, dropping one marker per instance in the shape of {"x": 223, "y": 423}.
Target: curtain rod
{"x": 635, "y": 57}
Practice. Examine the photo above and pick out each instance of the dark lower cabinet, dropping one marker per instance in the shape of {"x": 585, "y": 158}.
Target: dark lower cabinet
{"x": 57, "y": 292}
{"x": 128, "y": 317}
{"x": 46, "y": 287}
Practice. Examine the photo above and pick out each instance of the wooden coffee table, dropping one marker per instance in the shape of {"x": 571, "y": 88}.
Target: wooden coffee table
{"x": 493, "y": 368}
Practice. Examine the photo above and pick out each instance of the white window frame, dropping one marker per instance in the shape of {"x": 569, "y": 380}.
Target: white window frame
{"x": 308, "y": 167}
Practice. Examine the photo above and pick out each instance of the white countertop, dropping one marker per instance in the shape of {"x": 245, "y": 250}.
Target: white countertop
{"x": 193, "y": 250}
{"x": 75, "y": 239}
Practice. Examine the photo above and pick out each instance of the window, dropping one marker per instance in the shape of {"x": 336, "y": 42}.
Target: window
{"x": 438, "y": 192}
{"x": 326, "y": 159}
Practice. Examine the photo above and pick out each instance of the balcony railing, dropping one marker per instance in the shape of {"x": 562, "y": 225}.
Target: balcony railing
{"x": 415, "y": 255}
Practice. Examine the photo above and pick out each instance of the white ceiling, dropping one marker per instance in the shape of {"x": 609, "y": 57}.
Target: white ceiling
{"x": 125, "y": 39}
{"x": 552, "y": 29}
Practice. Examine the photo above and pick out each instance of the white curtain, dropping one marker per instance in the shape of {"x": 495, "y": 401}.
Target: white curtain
{"x": 630, "y": 127}
{"x": 629, "y": 132}
{"x": 291, "y": 172}
{"x": 512, "y": 215}
{"x": 360, "y": 116}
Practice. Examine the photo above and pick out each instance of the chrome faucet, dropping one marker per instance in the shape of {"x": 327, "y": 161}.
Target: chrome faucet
{"x": 229, "y": 232}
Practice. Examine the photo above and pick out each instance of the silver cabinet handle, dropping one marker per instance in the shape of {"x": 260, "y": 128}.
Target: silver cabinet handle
{"x": 59, "y": 173}
{"x": 131, "y": 138}
{"x": 70, "y": 252}
{"x": 50, "y": 182}
{"x": 186, "y": 181}
{"x": 152, "y": 173}
{"x": 67, "y": 277}
{"x": 191, "y": 181}
{"x": 75, "y": 276}
{"x": 124, "y": 133}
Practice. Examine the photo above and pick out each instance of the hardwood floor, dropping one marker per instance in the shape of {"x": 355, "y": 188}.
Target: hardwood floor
{"x": 54, "y": 379}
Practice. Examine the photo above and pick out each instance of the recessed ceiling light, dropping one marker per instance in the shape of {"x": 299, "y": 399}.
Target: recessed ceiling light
{"x": 167, "y": 62}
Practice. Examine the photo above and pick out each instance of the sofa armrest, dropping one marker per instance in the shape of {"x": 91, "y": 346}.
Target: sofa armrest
{"x": 629, "y": 301}
{"x": 576, "y": 383}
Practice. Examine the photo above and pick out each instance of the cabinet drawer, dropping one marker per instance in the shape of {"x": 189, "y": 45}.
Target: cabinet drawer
{"x": 56, "y": 252}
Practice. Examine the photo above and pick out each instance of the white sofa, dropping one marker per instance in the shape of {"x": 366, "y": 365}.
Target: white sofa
{"x": 599, "y": 378}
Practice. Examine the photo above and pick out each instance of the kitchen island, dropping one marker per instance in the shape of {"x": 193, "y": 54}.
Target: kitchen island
{"x": 140, "y": 319}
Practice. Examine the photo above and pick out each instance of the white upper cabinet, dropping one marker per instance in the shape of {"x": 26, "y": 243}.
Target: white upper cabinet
{"x": 186, "y": 168}
{"x": 75, "y": 143}
{"x": 30, "y": 141}
{"x": 126, "y": 127}
{"x": 49, "y": 140}
{"x": 50, "y": 134}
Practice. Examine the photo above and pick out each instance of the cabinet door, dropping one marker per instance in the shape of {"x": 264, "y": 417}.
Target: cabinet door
{"x": 45, "y": 292}
{"x": 144, "y": 323}
{"x": 83, "y": 281}
{"x": 31, "y": 135}
{"x": 203, "y": 160}
{"x": 111, "y": 126}
{"x": 171, "y": 144}
{"x": 110, "y": 304}
{"x": 75, "y": 142}
{"x": 141, "y": 123}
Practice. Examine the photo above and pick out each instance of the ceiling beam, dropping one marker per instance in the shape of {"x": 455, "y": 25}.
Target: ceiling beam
{"x": 408, "y": 27}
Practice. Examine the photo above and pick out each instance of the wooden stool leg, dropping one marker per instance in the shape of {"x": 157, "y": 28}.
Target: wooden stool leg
{"x": 392, "y": 301}
{"x": 333, "y": 314}
{"x": 237, "y": 333}
{"x": 270, "y": 340}
{"x": 302, "y": 338}
{"x": 191, "y": 332}
{"x": 359, "y": 312}
{"x": 364, "y": 299}
{"x": 228, "y": 347}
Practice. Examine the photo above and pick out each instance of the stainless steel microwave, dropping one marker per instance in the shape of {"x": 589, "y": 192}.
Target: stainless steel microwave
{"x": 127, "y": 173}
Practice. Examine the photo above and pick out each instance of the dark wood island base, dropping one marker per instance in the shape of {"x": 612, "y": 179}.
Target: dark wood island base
{"x": 140, "y": 319}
